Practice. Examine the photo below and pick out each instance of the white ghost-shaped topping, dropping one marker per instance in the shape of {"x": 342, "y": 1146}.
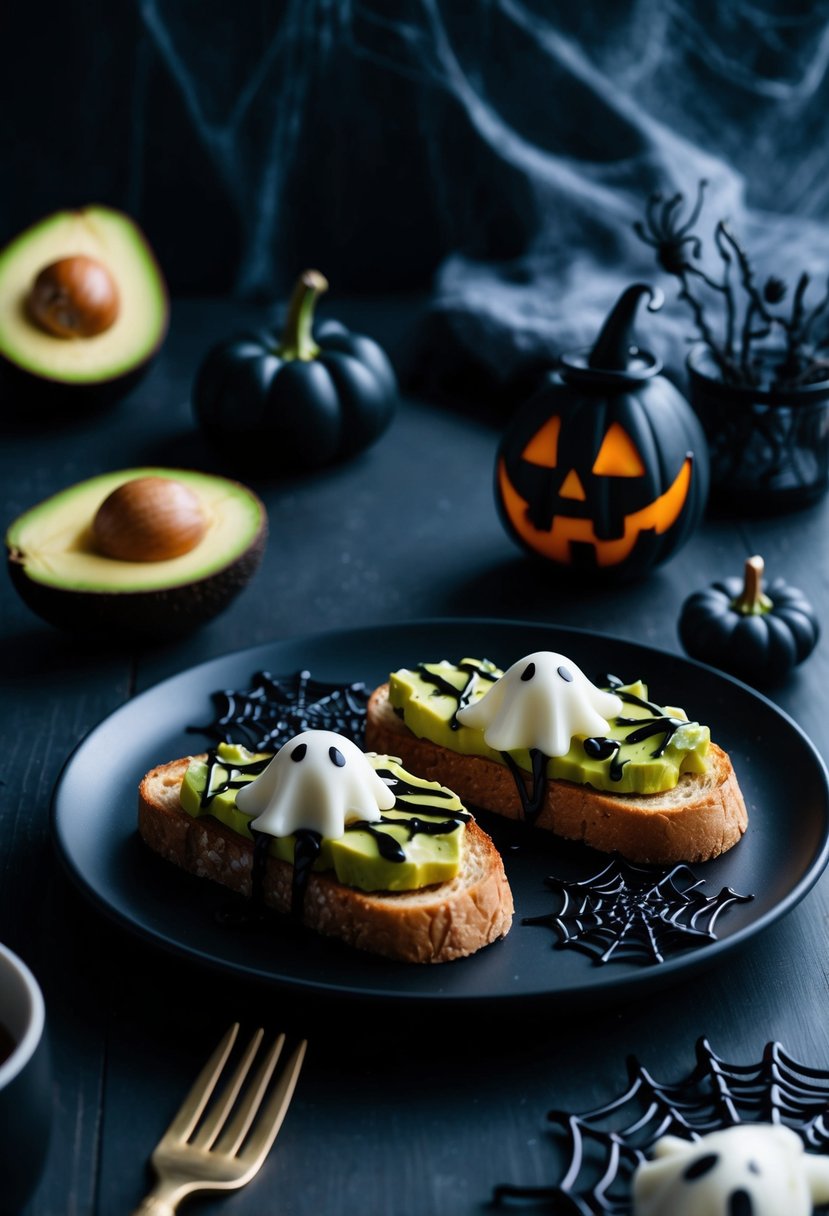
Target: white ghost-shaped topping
{"x": 755, "y": 1168}
{"x": 319, "y": 781}
{"x": 543, "y": 701}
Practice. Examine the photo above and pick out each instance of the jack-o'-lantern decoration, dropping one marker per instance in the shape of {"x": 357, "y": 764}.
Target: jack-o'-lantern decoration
{"x": 605, "y": 468}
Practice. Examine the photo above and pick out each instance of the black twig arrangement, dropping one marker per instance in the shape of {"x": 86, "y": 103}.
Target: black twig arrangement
{"x": 753, "y": 339}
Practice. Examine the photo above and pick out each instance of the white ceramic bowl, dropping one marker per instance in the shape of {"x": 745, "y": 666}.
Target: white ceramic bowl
{"x": 25, "y": 1083}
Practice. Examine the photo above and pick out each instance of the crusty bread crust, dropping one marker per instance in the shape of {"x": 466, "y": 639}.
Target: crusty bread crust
{"x": 704, "y": 815}
{"x": 432, "y": 925}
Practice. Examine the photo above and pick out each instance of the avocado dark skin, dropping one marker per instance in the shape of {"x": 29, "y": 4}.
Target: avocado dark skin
{"x": 142, "y": 615}
{"x": 28, "y": 400}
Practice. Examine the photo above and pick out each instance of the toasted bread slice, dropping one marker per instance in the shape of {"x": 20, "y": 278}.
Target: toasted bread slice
{"x": 431, "y": 925}
{"x": 703, "y": 815}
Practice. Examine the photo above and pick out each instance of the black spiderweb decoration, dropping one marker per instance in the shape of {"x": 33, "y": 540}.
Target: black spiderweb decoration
{"x": 605, "y": 1145}
{"x": 275, "y": 708}
{"x": 635, "y": 913}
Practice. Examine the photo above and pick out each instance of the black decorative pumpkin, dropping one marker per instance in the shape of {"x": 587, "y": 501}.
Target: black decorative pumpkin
{"x": 604, "y": 470}
{"x": 297, "y": 401}
{"x": 754, "y": 634}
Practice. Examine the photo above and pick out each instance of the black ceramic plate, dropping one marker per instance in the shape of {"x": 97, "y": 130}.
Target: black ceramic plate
{"x": 778, "y": 860}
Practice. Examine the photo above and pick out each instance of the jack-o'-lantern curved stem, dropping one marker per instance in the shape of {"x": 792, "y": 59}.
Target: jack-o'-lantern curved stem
{"x": 612, "y": 348}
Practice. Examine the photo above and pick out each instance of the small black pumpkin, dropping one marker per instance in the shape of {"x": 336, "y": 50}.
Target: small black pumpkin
{"x": 604, "y": 470}
{"x": 299, "y": 401}
{"x": 758, "y": 636}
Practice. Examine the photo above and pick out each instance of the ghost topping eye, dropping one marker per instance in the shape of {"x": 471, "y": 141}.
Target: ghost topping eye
{"x": 336, "y": 756}
{"x": 528, "y": 672}
{"x": 566, "y": 674}
{"x": 299, "y": 752}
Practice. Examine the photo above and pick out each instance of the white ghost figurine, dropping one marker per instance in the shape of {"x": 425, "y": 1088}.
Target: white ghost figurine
{"x": 755, "y": 1168}
{"x": 541, "y": 702}
{"x": 319, "y": 781}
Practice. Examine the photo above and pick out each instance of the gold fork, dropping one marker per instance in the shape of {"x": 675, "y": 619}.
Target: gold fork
{"x": 224, "y": 1152}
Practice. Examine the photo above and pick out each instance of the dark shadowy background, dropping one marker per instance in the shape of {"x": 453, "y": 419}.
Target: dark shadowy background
{"x": 493, "y": 153}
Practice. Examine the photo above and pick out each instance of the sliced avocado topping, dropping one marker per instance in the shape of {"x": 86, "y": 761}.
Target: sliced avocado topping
{"x": 645, "y": 750}
{"x": 418, "y": 842}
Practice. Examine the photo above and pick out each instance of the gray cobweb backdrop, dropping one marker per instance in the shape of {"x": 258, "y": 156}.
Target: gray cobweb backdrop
{"x": 491, "y": 154}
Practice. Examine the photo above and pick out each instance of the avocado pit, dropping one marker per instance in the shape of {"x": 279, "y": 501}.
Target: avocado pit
{"x": 74, "y": 297}
{"x": 149, "y": 519}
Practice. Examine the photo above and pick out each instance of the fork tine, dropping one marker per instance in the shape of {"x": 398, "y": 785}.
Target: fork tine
{"x": 191, "y": 1109}
{"x": 239, "y": 1126}
{"x": 219, "y": 1111}
{"x": 270, "y": 1121}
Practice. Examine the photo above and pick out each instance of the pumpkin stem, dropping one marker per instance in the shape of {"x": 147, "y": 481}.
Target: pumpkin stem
{"x": 297, "y": 334}
{"x": 611, "y": 351}
{"x": 751, "y": 601}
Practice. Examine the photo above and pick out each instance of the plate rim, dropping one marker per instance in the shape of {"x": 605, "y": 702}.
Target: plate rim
{"x": 623, "y": 986}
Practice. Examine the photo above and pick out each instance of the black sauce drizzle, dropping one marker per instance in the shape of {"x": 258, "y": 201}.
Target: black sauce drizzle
{"x": 237, "y": 775}
{"x": 532, "y": 801}
{"x": 308, "y": 843}
{"x": 597, "y": 747}
{"x": 389, "y": 848}
{"x": 446, "y": 688}
{"x": 659, "y": 724}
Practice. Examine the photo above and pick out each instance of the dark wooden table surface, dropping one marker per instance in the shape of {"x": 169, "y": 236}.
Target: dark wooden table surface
{"x": 411, "y": 1117}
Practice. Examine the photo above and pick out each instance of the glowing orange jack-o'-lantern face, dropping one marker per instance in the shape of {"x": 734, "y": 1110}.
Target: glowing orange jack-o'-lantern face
{"x": 601, "y": 483}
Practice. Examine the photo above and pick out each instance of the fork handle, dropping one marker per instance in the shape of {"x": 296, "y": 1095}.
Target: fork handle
{"x": 163, "y": 1200}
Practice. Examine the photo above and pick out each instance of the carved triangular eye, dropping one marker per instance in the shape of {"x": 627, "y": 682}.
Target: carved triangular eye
{"x": 618, "y": 456}
{"x": 543, "y": 447}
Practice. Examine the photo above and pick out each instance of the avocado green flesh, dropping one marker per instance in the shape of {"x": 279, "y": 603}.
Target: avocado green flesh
{"x": 353, "y": 857}
{"x": 112, "y": 239}
{"x": 53, "y": 540}
{"x": 428, "y": 713}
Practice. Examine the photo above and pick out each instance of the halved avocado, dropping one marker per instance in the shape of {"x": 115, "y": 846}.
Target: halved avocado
{"x": 59, "y": 572}
{"x": 101, "y": 365}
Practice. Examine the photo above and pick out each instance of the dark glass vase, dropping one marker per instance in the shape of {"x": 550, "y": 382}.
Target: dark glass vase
{"x": 769, "y": 448}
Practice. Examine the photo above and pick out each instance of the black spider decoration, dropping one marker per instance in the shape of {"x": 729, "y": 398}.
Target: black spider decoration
{"x": 605, "y": 1145}
{"x": 275, "y": 708}
{"x": 665, "y": 231}
{"x": 635, "y": 913}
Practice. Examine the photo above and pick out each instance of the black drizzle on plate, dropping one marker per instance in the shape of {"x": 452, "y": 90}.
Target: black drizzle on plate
{"x": 604, "y": 1146}
{"x": 635, "y": 913}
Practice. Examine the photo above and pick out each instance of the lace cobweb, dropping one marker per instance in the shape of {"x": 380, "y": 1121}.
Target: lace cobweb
{"x": 603, "y": 1146}
{"x": 635, "y": 913}
{"x": 275, "y": 708}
